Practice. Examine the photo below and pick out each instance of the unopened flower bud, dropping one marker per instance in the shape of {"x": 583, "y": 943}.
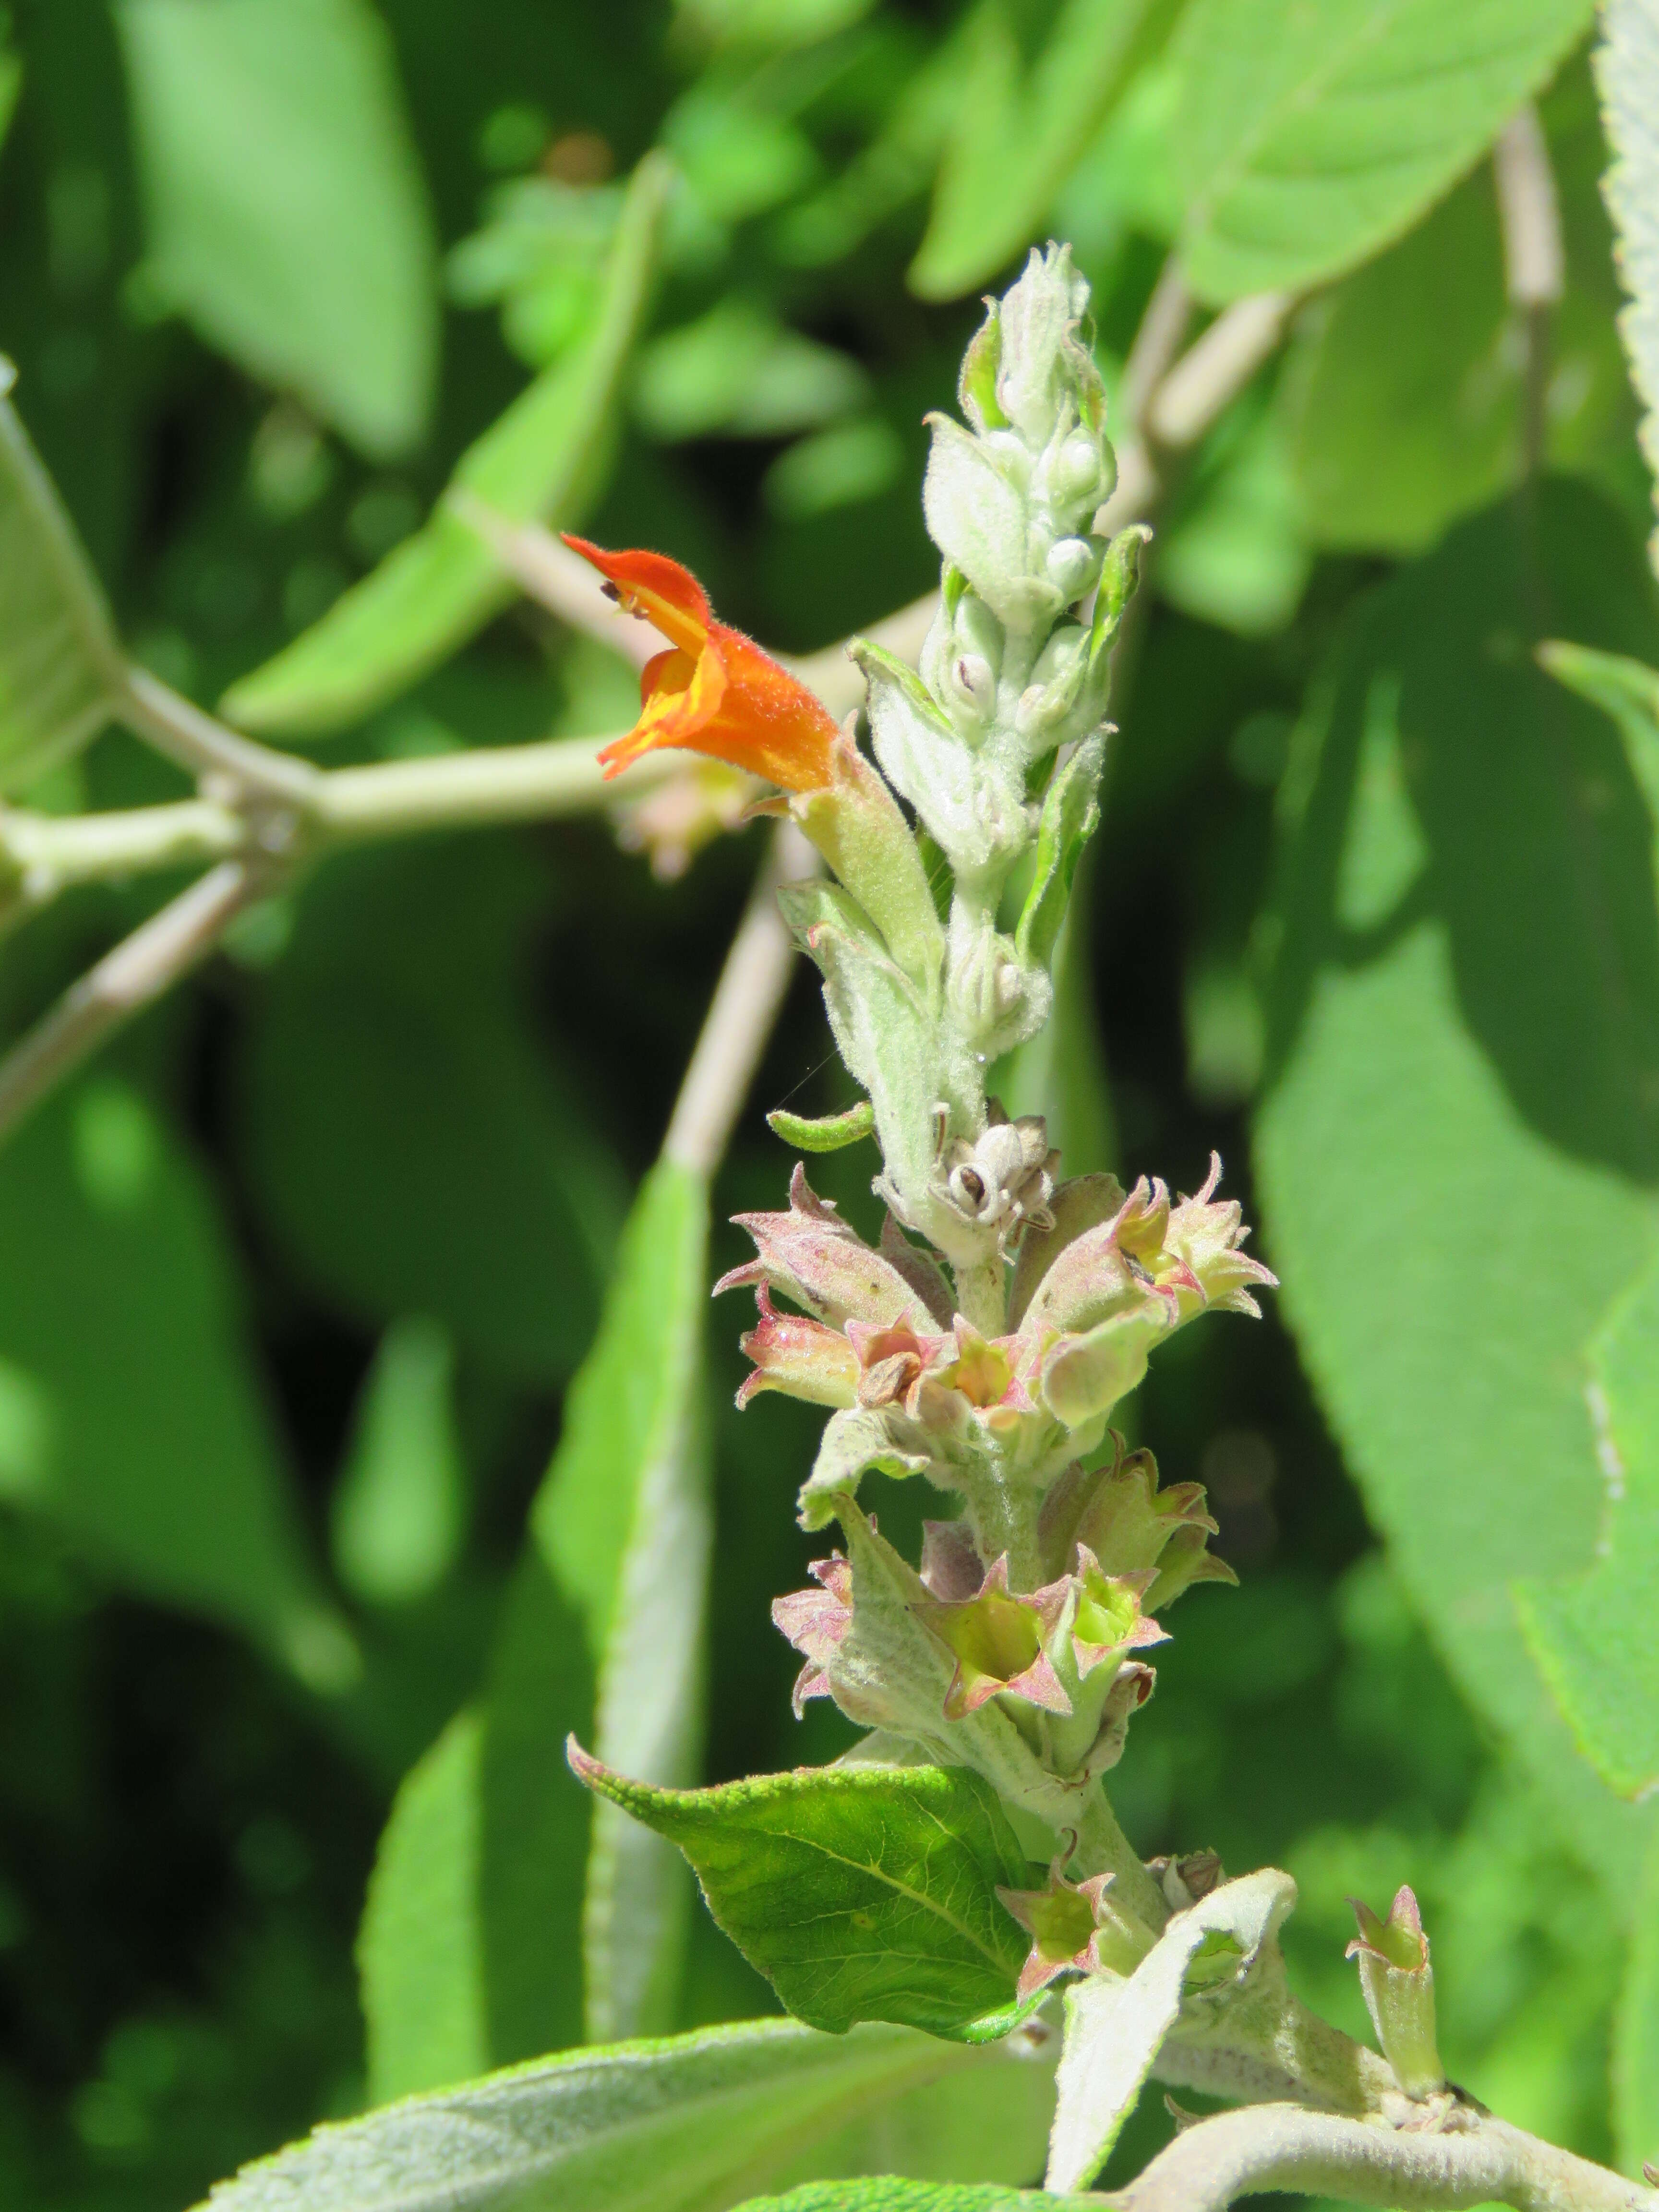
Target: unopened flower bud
{"x": 969, "y": 685}
{"x": 1079, "y": 474}
{"x": 1073, "y": 566}
{"x": 1398, "y": 1981}
{"x": 1007, "y": 453}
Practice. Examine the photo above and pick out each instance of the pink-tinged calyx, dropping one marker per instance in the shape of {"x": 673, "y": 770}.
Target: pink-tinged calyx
{"x": 997, "y": 1641}
{"x": 1107, "y": 1621}
{"x": 815, "y": 1621}
{"x": 820, "y": 1263}
{"x": 1072, "y": 1929}
{"x": 801, "y": 1358}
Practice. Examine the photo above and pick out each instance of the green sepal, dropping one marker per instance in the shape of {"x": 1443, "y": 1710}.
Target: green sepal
{"x": 1071, "y": 813}
{"x": 833, "y": 1133}
{"x": 861, "y": 1892}
{"x": 1119, "y": 576}
{"x": 977, "y": 389}
{"x": 860, "y": 827}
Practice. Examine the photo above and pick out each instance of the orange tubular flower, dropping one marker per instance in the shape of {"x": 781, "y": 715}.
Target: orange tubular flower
{"x": 713, "y": 691}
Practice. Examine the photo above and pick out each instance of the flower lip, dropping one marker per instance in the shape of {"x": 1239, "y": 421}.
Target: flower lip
{"x": 714, "y": 691}
{"x": 650, "y": 585}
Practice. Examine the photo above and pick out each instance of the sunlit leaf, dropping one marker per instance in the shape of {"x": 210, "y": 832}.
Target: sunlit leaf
{"x": 1597, "y": 1636}
{"x": 626, "y": 1523}
{"x": 59, "y": 662}
{"x": 736, "y": 369}
{"x": 541, "y": 462}
{"x": 1311, "y": 132}
{"x": 288, "y": 218}
{"x": 886, "y": 2193}
{"x": 1024, "y": 121}
{"x": 399, "y": 1507}
{"x": 1467, "y": 909}
{"x": 557, "y": 1913}
{"x": 1409, "y": 365}
{"x": 1405, "y": 383}
{"x": 774, "y": 22}
{"x": 420, "y": 1949}
{"x": 680, "y": 2125}
{"x": 1635, "y": 2034}
{"x": 864, "y": 1893}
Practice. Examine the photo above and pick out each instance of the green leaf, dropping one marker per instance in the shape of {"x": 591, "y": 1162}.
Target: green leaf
{"x": 681, "y": 2125}
{"x": 1407, "y": 404}
{"x": 625, "y": 1521}
{"x": 1466, "y": 910}
{"x": 131, "y": 1416}
{"x": 1311, "y": 132}
{"x": 609, "y": 1592}
{"x": 1115, "y": 2025}
{"x": 409, "y": 1143}
{"x": 739, "y": 371}
{"x": 1071, "y": 814}
{"x": 1022, "y": 123}
{"x": 399, "y": 1512}
{"x": 985, "y": 2123}
{"x": 542, "y": 461}
{"x": 1405, "y": 387}
{"x": 287, "y": 215}
{"x": 886, "y": 2193}
{"x": 831, "y": 1134}
{"x": 1635, "y": 2034}
{"x": 420, "y": 1953}
{"x": 774, "y": 23}
{"x": 1626, "y": 690}
{"x": 863, "y": 1893}
{"x": 60, "y": 666}
{"x": 1627, "y": 75}
{"x": 1596, "y": 1638}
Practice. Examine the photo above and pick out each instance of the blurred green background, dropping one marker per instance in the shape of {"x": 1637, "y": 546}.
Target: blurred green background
{"x": 293, "y": 1281}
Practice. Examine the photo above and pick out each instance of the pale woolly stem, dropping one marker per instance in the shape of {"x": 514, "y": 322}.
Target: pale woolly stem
{"x": 1213, "y": 373}
{"x": 1534, "y": 258}
{"x": 233, "y": 766}
{"x": 122, "y": 984}
{"x": 1455, "y": 2159}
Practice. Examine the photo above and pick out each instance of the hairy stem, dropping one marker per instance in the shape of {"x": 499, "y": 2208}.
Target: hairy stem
{"x": 136, "y": 974}
{"x": 1453, "y": 2159}
{"x": 467, "y": 790}
{"x": 206, "y": 748}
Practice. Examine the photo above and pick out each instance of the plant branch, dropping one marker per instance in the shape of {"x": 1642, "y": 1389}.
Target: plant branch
{"x": 1455, "y": 2158}
{"x": 204, "y": 747}
{"x": 460, "y": 790}
{"x": 1534, "y": 258}
{"x": 136, "y": 974}
{"x": 51, "y": 853}
{"x": 1214, "y": 370}
{"x": 747, "y": 1001}
{"x": 1168, "y": 404}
